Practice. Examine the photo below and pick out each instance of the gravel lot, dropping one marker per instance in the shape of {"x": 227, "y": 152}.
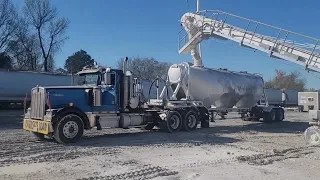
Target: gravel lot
{"x": 230, "y": 149}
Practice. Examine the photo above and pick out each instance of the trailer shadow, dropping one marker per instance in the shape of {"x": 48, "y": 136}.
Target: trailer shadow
{"x": 279, "y": 127}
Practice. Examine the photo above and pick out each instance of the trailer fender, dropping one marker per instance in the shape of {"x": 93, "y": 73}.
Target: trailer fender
{"x": 72, "y": 110}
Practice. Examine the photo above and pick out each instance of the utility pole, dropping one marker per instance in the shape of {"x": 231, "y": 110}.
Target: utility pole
{"x": 198, "y": 6}
{"x": 199, "y": 45}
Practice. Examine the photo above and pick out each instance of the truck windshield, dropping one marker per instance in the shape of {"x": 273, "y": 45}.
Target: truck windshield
{"x": 88, "y": 79}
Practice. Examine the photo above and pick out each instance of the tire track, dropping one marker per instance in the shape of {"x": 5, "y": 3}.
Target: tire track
{"x": 146, "y": 172}
{"x": 276, "y": 155}
{"x": 255, "y": 159}
{"x": 54, "y": 155}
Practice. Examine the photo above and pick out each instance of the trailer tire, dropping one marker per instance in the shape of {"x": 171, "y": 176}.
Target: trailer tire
{"x": 279, "y": 115}
{"x": 190, "y": 121}
{"x": 269, "y": 116}
{"x": 172, "y": 123}
{"x": 68, "y": 129}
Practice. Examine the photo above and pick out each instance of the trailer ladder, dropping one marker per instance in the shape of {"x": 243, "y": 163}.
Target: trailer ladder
{"x": 200, "y": 27}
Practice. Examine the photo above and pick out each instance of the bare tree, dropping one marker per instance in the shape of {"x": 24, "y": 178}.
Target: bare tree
{"x": 25, "y": 47}
{"x": 292, "y": 81}
{"x": 49, "y": 27}
{"x": 146, "y": 68}
{"x": 8, "y": 24}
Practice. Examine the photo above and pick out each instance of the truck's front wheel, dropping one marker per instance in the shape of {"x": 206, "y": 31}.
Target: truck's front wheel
{"x": 68, "y": 129}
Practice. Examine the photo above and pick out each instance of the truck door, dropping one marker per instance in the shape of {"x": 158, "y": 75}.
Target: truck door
{"x": 108, "y": 92}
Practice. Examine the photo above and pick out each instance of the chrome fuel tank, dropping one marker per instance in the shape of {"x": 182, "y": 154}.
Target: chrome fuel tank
{"x": 216, "y": 87}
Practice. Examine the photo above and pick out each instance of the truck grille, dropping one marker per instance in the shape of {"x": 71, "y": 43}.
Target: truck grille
{"x": 38, "y": 98}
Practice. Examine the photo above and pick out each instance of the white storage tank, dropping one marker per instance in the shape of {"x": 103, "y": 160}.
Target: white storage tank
{"x": 216, "y": 87}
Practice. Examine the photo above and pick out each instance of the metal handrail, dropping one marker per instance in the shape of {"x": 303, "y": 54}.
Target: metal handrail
{"x": 285, "y": 43}
{"x": 221, "y": 12}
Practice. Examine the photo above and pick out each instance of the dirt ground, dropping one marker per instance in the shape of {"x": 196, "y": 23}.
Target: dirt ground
{"x": 229, "y": 149}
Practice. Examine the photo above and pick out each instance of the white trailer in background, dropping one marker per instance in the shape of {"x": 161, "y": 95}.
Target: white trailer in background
{"x": 282, "y": 97}
{"x": 16, "y": 85}
{"x": 206, "y": 24}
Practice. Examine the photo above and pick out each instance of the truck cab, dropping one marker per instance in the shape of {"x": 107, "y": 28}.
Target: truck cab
{"x": 65, "y": 111}
{"x": 105, "y": 83}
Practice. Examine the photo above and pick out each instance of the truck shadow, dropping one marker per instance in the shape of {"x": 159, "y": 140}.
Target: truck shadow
{"x": 154, "y": 137}
{"x": 210, "y": 136}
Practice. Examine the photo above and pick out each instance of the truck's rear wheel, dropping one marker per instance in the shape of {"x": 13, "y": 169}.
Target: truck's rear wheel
{"x": 172, "y": 123}
{"x": 68, "y": 129}
{"x": 190, "y": 121}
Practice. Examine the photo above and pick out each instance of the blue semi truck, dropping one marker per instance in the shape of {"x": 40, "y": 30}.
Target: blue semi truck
{"x": 106, "y": 97}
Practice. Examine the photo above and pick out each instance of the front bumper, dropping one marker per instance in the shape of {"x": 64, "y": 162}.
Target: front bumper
{"x": 43, "y": 126}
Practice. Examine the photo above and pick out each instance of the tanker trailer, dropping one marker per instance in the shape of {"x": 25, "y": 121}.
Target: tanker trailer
{"x": 223, "y": 91}
{"x": 14, "y": 85}
{"x": 275, "y": 96}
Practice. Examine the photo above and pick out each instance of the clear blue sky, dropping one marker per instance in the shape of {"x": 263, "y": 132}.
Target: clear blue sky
{"x": 112, "y": 29}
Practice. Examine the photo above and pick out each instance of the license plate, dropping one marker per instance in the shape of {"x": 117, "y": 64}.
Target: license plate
{"x": 36, "y": 126}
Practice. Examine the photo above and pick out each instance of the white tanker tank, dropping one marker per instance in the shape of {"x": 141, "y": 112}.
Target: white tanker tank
{"x": 217, "y": 88}
{"x": 14, "y": 85}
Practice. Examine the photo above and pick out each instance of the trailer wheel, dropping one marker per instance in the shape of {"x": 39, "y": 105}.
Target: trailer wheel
{"x": 312, "y": 135}
{"x": 269, "y": 116}
{"x": 279, "y": 115}
{"x": 172, "y": 123}
{"x": 68, "y": 129}
{"x": 190, "y": 121}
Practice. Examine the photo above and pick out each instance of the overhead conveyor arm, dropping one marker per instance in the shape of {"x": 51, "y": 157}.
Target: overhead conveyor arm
{"x": 214, "y": 24}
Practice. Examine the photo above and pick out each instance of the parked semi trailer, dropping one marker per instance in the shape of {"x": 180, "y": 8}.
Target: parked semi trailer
{"x": 113, "y": 98}
{"x": 15, "y": 85}
{"x": 282, "y": 97}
